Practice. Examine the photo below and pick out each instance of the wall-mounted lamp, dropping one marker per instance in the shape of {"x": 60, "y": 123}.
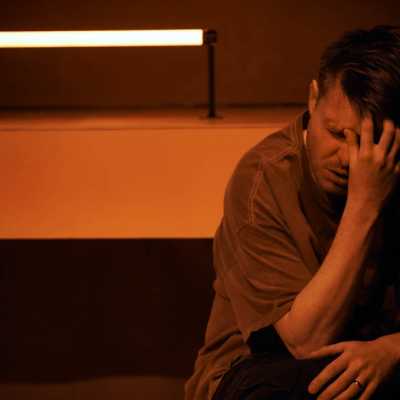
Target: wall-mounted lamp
{"x": 121, "y": 38}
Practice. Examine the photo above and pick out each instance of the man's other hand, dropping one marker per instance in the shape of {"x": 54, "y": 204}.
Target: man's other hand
{"x": 359, "y": 370}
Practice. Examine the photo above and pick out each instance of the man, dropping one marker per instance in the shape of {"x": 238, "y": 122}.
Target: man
{"x": 307, "y": 279}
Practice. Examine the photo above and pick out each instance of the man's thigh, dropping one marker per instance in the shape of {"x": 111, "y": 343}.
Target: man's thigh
{"x": 270, "y": 377}
{"x": 282, "y": 377}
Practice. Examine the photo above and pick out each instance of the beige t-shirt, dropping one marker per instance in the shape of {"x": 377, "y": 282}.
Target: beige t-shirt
{"x": 276, "y": 230}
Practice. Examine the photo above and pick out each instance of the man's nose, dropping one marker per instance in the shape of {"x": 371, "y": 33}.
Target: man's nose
{"x": 343, "y": 155}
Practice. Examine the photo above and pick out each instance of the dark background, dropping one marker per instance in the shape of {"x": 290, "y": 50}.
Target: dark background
{"x": 79, "y": 309}
{"x": 267, "y": 51}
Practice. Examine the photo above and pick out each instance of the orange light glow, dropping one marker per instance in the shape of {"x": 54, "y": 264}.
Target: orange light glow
{"x": 109, "y": 38}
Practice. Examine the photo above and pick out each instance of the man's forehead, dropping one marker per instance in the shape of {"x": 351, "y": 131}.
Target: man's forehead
{"x": 337, "y": 110}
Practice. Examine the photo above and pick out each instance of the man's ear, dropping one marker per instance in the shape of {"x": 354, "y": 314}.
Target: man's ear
{"x": 313, "y": 96}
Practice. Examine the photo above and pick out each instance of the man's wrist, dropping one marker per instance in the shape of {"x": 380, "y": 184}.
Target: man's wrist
{"x": 392, "y": 342}
{"x": 361, "y": 215}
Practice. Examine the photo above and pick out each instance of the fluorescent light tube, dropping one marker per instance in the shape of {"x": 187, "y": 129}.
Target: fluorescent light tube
{"x": 109, "y": 38}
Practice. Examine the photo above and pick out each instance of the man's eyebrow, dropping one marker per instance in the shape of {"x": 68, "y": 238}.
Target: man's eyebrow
{"x": 330, "y": 121}
{"x": 332, "y": 124}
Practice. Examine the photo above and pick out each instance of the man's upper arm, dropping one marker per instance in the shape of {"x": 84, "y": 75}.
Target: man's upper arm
{"x": 256, "y": 255}
{"x": 262, "y": 274}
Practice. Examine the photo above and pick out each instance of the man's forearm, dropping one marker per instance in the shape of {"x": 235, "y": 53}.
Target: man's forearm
{"x": 322, "y": 308}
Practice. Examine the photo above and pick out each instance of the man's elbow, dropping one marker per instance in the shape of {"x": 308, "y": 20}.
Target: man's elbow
{"x": 299, "y": 349}
{"x": 301, "y": 352}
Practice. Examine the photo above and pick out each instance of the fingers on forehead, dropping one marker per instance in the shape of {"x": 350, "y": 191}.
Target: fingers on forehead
{"x": 387, "y": 128}
{"x": 367, "y": 123}
{"x": 388, "y": 124}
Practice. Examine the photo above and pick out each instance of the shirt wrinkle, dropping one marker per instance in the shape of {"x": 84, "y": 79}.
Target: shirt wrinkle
{"x": 253, "y": 192}
{"x": 290, "y": 150}
{"x": 251, "y": 217}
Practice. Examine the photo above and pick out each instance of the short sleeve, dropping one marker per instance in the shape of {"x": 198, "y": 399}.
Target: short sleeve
{"x": 259, "y": 262}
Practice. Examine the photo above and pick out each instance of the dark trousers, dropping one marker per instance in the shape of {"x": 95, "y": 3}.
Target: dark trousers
{"x": 282, "y": 377}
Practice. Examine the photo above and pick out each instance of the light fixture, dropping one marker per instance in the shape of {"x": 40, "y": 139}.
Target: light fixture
{"x": 110, "y": 38}
{"x": 121, "y": 38}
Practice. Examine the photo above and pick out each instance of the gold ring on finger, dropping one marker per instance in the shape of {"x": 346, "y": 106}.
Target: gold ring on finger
{"x": 359, "y": 384}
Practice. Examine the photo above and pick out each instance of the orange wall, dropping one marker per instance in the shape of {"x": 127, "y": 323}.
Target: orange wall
{"x": 143, "y": 175}
{"x": 267, "y": 51}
